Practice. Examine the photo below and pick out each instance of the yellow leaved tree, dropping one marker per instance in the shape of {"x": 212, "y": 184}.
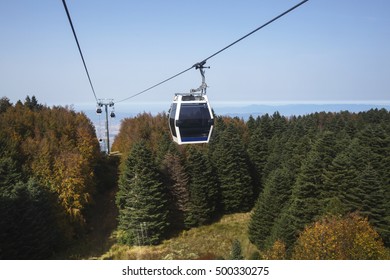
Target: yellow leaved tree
{"x": 340, "y": 238}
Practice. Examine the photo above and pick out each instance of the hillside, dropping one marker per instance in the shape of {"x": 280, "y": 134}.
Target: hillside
{"x": 300, "y": 177}
{"x": 205, "y": 242}
{"x": 292, "y": 172}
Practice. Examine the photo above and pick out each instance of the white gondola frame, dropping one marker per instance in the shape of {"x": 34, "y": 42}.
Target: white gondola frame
{"x": 178, "y": 100}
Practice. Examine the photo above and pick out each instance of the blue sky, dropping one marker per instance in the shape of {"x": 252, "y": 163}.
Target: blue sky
{"x": 323, "y": 52}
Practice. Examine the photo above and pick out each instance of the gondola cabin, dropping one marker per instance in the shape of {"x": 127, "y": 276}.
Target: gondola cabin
{"x": 190, "y": 119}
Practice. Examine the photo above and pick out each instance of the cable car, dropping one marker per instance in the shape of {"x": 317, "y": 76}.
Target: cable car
{"x": 190, "y": 119}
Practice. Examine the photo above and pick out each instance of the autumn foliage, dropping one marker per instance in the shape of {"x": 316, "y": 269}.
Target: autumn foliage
{"x": 52, "y": 151}
{"x": 336, "y": 238}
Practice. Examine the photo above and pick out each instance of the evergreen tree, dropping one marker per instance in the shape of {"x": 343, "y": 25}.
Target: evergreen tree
{"x": 28, "y": 227}
{"x": 341, "y": 184}
{"x": 279, "y": 123}
{"x": 251, "y": 125}
{"x": 141, "y": 199}
{"x": 373, "y": 202}
{"x": 4, "y": 104}
{"x": 10, "y": 172}
{"x": 203, "y": 189}
{"x": 304, "y": 205}
{"x": 269, "y": 205}
{"x": 377, "y": 140}
{"x": 231, "y": 162}
{"x": 178, "y": 189}
{"x": 258, "y": 154}
{"x": 236, "y": 253}
{"x": 276, "y": 147}
{"x": 353, "y": 181}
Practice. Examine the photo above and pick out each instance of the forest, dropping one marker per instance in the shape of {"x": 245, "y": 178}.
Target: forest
{"x": 322, "y": 175}
{"x": 48, "y": 158}
{"x": 316, "y": 186}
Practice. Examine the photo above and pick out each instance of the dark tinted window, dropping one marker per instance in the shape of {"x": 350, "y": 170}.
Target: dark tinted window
{"x": 194, "y": 121}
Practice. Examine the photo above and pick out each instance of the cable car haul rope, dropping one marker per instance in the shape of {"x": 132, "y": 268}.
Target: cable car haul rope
{"x": 190, "y": 117}
{"x": 216, "y": 53}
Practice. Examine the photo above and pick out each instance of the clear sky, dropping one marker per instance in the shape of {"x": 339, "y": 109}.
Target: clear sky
{"x": 325, "y": 51}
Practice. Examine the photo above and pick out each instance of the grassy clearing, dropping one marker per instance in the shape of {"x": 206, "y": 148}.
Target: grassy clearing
{"x": 206, "y": 242}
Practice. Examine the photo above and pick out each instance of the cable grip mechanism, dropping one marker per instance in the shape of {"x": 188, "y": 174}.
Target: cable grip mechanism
{"x": 201, "y": 66}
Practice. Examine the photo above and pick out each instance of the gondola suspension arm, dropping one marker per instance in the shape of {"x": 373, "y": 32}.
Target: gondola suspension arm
{"x": 203, "y": 86}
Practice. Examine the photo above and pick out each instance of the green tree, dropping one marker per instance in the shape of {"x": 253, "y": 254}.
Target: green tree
{"x": 236, "y": 252}
{"x": 353, "y": 181}
{"x": 231, "y": 161}
{"x": 269, "y": 205}
{"x": 373, "y": 202}
{"x": 203, "y": 189}
{"x": 32, "y": 103}
{"x": 28, "y": 226}
{"x": 141, "y": 199}
{"x": 304, "y": 205}
{"x": 178, "y": 189}
{"x": 4, "y": 104}
{"x": 376, "y": 139}
{"x": 342, "y": 184}
{"x": 10, "y": 172}
{"x": 258, "y": 154}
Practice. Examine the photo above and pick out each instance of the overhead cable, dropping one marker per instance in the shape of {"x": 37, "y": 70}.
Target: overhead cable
{"x": 216, "y": 53}
{"x": 81, "y": 53}
{"x": 156, "y": 85}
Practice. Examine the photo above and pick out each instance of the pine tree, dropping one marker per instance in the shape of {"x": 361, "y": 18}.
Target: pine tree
{"x": 236, "y": 253}
{"x": 269, "y": 205}
{"x": 251, "y": 125}
{"x": 341, "y": 184}
{"x": 141, "y": 199}
{"x": 178, "y": 189}
{"x": 373, "y": 202}
{"x": 4, "y": 104}
{"x": 304, "y": 206}
{"x": 203, "y": 189}
{"x": 10, "y": 172}
{"x": 375, "y": 138}
{"x": 265, "y": 125}
{"x": 231, "y": 162}
{"x": 279, "y": 123}
{"x": 32, "y": 103}
{"x": 353, "y": 182}
{"x": 28, "y": 229}
{"x": 258, "y": 154}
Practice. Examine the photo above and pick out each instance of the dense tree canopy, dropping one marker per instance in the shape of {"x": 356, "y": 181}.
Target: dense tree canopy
{"x": 293, "y": 171}
{"x": 47, "y": 161}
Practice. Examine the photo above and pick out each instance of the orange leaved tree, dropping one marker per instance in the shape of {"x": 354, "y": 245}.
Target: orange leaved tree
{"x": 340, "y": 238}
